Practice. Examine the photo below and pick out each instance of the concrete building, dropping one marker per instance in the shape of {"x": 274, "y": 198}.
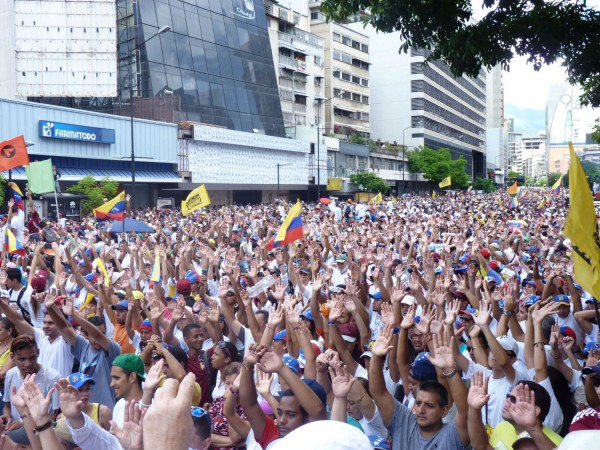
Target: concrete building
{"x": 494, "y": 132}
{"x": 418, "y": 105}
{"x": 298, "y": 59}
{"x": 533, "y": 155}
{"x": 347, "y": 75}
{"x": 514, "y": 148}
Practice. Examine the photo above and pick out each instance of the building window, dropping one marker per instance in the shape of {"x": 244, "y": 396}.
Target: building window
{"x": 337, "y": 37}
{"x": 365, "y": 99}
{"x": 346, "y": 41}
{"x": 296, "y": 18}
{"x": 365, "y": 82}
{"x": 336, "y": 73}
{"x": 364, "y": 48}
{"x": 345, "y": 76}
{"x": 355, "y": 79}
{"x": 356, "y": 97}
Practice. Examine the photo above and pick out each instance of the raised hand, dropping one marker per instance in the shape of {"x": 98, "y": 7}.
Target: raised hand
{"x": 341, "y": 380}
{"x": 131, "y": 435}
{"x": 263, "y": 383}
{"x": 523, "y": 411}
{"x": 442, "y": 348}
{"x": 276, "y": 316}
{"x": 423, "y": 325}
{"x": 382, "y": 346}
{"x": 478, "y": 396}
{"x": 155, "y": 376}
{"x": 270, "y": 362}
{"x": 37, "y": 403}
{"x": 485, "y": 315}
{"x": 387, "y": 314}
{"x": 409, "y": 318}
{"x": 545, "y": 310}
{"x": 70, "y": 403}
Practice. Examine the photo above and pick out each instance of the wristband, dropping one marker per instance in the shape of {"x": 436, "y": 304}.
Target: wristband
{"x": 143, "y": 405}
{"x": 450, "y": 374}
{"x": 38, "y": 430}
{"x": 396, "y": 330}
{"x": 331, "y": 323}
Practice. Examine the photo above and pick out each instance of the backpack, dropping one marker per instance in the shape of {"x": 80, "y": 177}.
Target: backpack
{"x": 26, "y": 315}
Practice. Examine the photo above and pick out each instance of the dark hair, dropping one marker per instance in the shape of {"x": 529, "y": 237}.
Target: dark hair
{"x": 179, "y": 355}
{"x": 564, "y": 396}
{"x": 14, "y": 274}
{"x": 542, "y": 398}
{"x": 233, "y": 368}
{"x": 9, "y": 326}
{"x": 290, "y": 393}
{"x": 188, "y": 329}
{"x": 434, "y": 387}
{"x": 230, "y": 351}
{"x": 97, "y": 321}
{"x": 547, "y": 327}
{"x": 129, "y": 372}
{"x": 264, "y": 313}
{"x": 22, "y": 342}
{"x": 202, "y": 425}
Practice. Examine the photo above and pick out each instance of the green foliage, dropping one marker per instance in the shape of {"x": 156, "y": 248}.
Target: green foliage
{"x": 541, "y": 182}
{"x": 370, "y": 182}
{"x": 552, "y": 178}
{"x": 357, "y": 138}
{"x": 484, "y": 184}
{"x": 513, "y": 174}
{"x": 591, "y": 169}
{"x": 529, "y": 181}
{"x": 96, "y": 191}
{"x": 435, "y": 165}
{"x": 2, "y": 188}
{"x": 544, "y": 32}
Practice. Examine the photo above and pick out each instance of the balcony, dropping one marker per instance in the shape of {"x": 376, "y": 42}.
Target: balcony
{"x": 288, "y": 62}
{"x": 299, "y": 88}
{"x": 299, "y": 108}
{"x": 285, "y": 40}
{"x": 287, "y": 107}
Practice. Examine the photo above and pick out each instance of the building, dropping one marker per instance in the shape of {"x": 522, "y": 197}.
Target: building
{"x": 346, "y": 105}
{"x": 494, "y": 133}
{"x": 298, "y": 58}
{"x": 567, "y": 120}
{"x": 514, "y": 147}
{"x": 425, "y": 105}
{"x": 533, "y": 155}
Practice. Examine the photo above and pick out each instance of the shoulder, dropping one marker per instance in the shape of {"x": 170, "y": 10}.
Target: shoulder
{"x": 50, "y": 373}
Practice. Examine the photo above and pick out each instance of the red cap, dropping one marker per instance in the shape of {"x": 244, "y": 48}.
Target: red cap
{"x": 184, "y": 287}
{"x": 494, "y": 265}
{"x": 485, "y": 252}
{"x": 568, "y": 331}
{"x": 38, "y": 284}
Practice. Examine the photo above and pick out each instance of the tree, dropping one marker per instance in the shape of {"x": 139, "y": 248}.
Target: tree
{"x": 513, "y": 174}
{"x": 435, "y": 165}
{"x": 369, "y": 182}
{"x": 543, "y": 31}
{"x": 553, "y": 178}
{"x": 2, "y": 188}
{"x": 483, "y": 184}
{"x": 96, "y": 191}
{"x": 529, "y": 181}
{"x": 541, "y": 182}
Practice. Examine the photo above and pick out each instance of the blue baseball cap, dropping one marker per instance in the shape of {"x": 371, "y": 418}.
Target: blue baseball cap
{"x": 78, "y": 379}
{"x": 378, "y": 443}
{"x": 308, "y": 314}
{"x": 317, "y": 388}
{"x": 591, "y": 346}
{"x": 281, "y": 336}
{"x": 591, "y": 300}
{"x": 533, "y": 248}
{"x": 532, "y": 300}
{"x": 421, "y": 369}
{"x": 292, "y": 363}
{"x": 562, "y": 299}
{"x": 121, "y": 306}
{"x": 376, "y": 296}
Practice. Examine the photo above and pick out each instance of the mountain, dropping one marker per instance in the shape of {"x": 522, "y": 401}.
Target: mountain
{"x": 526, "y": 120}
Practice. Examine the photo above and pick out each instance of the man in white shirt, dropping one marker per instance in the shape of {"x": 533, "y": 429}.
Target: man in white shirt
{"x": 20, "y": 296}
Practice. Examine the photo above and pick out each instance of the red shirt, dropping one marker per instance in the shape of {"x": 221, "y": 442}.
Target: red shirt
{"x": 199, "y": 369}
{"x": 270, "y": 433}
{"x": 588, "y": 419}
{"x": 33, "y": 224}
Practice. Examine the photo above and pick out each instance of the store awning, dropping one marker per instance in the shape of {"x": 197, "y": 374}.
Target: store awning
{"x": 141, "y": 176}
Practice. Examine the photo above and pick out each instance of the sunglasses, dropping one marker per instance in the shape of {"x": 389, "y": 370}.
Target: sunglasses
{"x": 223, "y": 346}
{"x": 200, "y": 413}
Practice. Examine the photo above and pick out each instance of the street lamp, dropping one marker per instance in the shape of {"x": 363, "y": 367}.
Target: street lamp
{"x": 161, "y": 30}
{"x": 420, "y": 122}
{"x": 320, "y": 102}
{"x": 278, "y": 166}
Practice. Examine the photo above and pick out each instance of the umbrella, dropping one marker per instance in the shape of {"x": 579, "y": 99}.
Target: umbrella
{"x": 137, "y": 226}
{"x": 325, "y": 201}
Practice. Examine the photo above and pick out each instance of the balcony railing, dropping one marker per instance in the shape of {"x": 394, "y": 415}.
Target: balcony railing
{"x": 299, "y": 108}
{"x": 287, "y": 61}
{"x": 285, "y": 38}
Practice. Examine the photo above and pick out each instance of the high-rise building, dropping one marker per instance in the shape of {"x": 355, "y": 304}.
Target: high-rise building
{"x": 494, "y": 141}
{"x": 298, "y": 58}
{"x": 346, "y": 106}
{"x": 425, "y": 105}
{"x": 514, "y": 147}
{"x": 533, "y": 155}
{"x": 213, "y": 65}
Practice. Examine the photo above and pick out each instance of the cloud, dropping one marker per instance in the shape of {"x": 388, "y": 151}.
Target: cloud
{"x": 527, "y": 120}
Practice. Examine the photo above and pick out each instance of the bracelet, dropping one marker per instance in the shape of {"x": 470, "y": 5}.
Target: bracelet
{"x": 143, "y": 405}
{"x": 38, "y": 430}
{"x": 450, "y": 374}
{"x": 539, "y": 343}
{"x": 396, "y": 330}
{"x": 271, "y": 326}
{"x": 331, "y": 323}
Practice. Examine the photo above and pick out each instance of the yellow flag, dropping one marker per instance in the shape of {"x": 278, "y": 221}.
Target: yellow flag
{"x": 377, "y": 199}
{"x": 335, "y": 184}
{"x": 156, "y": 269}
{"x": 582, "y": 228}
{"x": 107, "y": 280}
{"x": 445, "y": 182}
{"x": 196, "y": 199}
{"x": 513, "y": 189}
{"x": 433, "y": 195}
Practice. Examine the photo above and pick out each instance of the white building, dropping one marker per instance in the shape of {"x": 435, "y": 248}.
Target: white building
{"x": 494, "y": 133}
{"x": 58, "y": 48}
{"x": 533, "y": 155}
{"x": 418, "y": 105}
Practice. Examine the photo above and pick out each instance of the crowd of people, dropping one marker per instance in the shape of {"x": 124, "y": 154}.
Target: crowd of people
{"x": 452, "y": 322}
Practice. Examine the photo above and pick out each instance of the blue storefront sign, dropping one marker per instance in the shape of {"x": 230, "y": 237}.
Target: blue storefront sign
{"x": 57, "y": 130}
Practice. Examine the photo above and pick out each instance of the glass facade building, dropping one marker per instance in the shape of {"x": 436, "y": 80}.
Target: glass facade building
{"x": 216, "y": 60}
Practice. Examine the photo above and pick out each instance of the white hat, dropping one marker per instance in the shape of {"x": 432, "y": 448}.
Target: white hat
{"x": 580, "y": 439}
{"x": 408, "y": 300}
{"x": 508, "y": 344}
{"x": 325, "y": 435}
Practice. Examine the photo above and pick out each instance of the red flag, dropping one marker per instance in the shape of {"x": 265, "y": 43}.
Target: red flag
{"x": 13, "y": 153}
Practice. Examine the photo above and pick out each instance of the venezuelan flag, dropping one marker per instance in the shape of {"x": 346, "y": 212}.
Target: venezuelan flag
{"x": 556, "y": 187}
{"x": 17, "y": 195}
{"x": 114, "y": 209}
{"x": 290, "y": 230}
{"x": 156, "y": 270}
{"x": 13, "y": 245}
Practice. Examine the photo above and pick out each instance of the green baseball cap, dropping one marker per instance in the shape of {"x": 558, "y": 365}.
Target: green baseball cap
{"x": 131, "y": 362}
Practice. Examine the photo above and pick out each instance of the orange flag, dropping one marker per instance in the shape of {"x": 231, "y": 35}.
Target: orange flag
{"x": 13, "y": 153}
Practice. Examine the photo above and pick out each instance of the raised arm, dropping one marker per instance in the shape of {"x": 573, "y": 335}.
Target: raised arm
{"x": 377, "y": 388}
{"x": 248, "y": 397}
{"x": 477, "y": 399}
{"x": 66, "y": 330}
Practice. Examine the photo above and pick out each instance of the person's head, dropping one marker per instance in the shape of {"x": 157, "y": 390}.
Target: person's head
{"x": 121, "y": 311}
{"x": 145, "y": 331}
{"x": 406, "y": 303}
{"x": 280, "y": 343}
{"x": 100, "y": 324}
{"x": 192, "y": 336}
{"x": 83, "y": 383}
{"x": 509, "y": 345}
{"x": 290, "y": 415}
{"x": 179, "y": 355}
{"x": 24, "y": 354}
{"x": 200, "y": 439}
{"x": 431, "y": 405}
{"x": 564, "y": 308}
{"x": 417, "y": 339}
{"x": 262, "y": 317}
{"x": 542, "y": 400}
{"x": 13, "y": 278}
{"x": 230, "y": 373}
{"x": 7, "y": 329}
{"x": 224, "y": 353}
{"x": 377, "y": 301}
{"x": 127, "y": 374}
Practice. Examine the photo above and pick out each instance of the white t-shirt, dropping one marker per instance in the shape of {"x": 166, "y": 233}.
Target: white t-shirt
{"x": 497, "y": 390}
{"x": 25, "y": 304}
{"x": 118, "y": 415}
{"x": 374, "y": 426}
{"x": 17, "y": 224}
{"x": 56, "y": 355}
